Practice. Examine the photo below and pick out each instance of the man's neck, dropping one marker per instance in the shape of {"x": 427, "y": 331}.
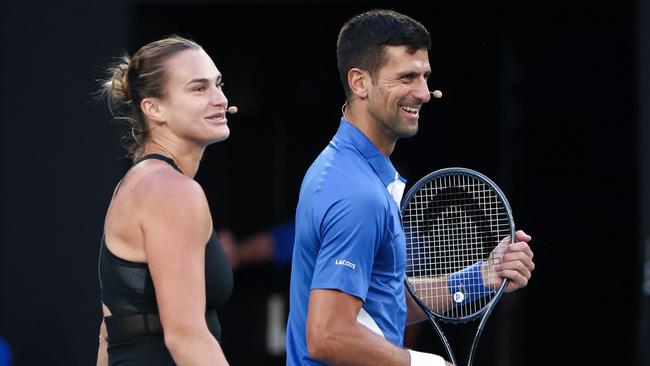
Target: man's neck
{"x": 357, "y": 115}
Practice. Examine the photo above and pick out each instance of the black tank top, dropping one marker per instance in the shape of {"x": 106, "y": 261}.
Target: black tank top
{"x": 127, "y": 288}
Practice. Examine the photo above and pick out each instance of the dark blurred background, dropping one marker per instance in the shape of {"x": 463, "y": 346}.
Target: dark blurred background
{"x": 551, "y": 99}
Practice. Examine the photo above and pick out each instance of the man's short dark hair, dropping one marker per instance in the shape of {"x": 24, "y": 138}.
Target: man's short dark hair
{"x": 363, "y": 38}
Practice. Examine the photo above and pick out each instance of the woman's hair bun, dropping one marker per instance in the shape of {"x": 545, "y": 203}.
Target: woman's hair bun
{"x": 117, "y": 84}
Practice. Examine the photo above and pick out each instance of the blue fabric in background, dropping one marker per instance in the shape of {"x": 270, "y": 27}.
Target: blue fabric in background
{"x": 5, "y": 353}
{"x": 283, "y": 235}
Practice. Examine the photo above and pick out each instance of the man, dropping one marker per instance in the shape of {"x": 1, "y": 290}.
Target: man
{"x": 348, "y": 304}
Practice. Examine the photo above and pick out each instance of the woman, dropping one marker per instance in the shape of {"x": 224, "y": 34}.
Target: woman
{"x": 163, "y": 274}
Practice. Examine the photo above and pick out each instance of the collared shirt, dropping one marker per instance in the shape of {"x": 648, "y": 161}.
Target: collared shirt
{"x": 349, "y": 237}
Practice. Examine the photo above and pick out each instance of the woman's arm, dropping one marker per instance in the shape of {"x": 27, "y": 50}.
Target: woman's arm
{"x": 102, "y": 353}
{"x": 176, "y": 223}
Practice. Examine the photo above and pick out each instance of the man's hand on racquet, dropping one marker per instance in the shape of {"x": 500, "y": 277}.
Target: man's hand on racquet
{"x": 511, "y": 261}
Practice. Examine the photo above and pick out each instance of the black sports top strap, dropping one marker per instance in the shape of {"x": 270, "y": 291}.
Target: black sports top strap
{"x": 169, "y": 161}
{"x": 164, "y": 158}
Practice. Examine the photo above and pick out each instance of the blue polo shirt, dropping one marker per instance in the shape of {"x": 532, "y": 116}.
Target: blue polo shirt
{"x": 349, "y": 237}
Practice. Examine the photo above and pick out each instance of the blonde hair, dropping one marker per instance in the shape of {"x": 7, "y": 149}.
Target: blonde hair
{"x": 131, "y": 79}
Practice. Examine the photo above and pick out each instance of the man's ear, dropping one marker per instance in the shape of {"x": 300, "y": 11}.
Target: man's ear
{"x": 358, "y": 81}
{"x": 153, "y": 110}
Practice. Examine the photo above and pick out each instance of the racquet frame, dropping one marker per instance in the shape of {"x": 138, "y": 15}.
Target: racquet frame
{"x": 486, "y": 310}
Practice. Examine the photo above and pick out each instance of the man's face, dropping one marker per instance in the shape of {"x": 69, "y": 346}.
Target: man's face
{"x": 398, "y": 90}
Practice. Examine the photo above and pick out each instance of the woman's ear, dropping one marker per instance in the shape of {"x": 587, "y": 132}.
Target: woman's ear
{"x": 153, "y": 110}
{"x": 358, "y": 81}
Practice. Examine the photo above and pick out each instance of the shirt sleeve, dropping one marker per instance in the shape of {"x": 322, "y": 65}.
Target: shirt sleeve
{"x": 351, "y": 231}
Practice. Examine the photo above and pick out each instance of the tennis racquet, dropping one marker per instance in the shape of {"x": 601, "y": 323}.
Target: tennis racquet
{"x": 457, "y": 224}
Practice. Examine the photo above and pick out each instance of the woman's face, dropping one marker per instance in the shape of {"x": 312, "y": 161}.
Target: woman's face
{"x": 194, "y": 105}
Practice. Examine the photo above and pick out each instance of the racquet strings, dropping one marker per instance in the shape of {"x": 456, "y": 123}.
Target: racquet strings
{"x": 450, "y": 223}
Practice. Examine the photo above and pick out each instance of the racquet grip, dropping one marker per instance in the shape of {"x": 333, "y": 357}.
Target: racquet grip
{"x": 425, "y": 359}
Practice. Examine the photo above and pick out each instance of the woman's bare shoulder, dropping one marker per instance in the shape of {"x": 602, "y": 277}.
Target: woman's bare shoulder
{"x": 159, "y": 182}
{"x": 167, "y": 196}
